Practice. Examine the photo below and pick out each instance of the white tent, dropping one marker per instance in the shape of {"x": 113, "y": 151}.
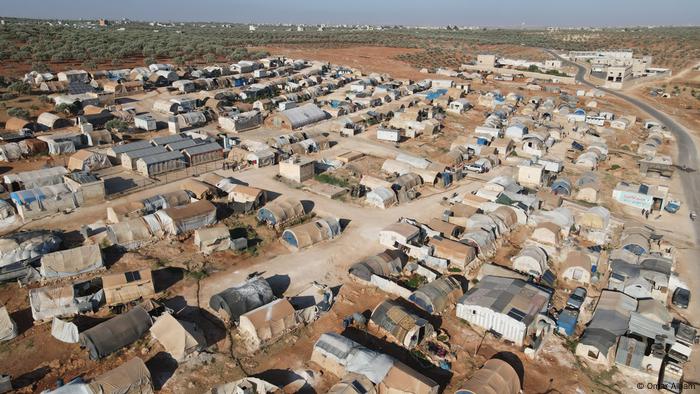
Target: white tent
{"x": 64, "y": 331}
{"x": 8, "y": 328}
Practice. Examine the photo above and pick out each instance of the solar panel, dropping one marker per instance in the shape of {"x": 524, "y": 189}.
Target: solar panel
{"x": 644, "y": 189}
{"x": 77, "y": 87}
{"x": 517, "y": 314}
{"x": 132, "y": 276}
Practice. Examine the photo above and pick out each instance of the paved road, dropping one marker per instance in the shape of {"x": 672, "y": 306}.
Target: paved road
{"x": 687, "y": 151}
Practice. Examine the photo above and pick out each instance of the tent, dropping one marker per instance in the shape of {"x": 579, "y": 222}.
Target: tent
{"x": 85, "y": 160}
{"x": 178, "y": 337}
{"x": 436, "y": 296}
{"x": 132, "y": 377}
{"x": 8, "y": 328}
{"x": 267, "y": 322}
{"x": 381, "y": 197}
{"x": 388, "y": 263}
{"x": 577, "y": 267}
{"x": 401, "y": 325}
{"x": 115, "y": 333}
{"x": 280, "y": 211}
{"x": 199, "y": 189}
{"x": 10, "y": 152}
{"x": 213, "y": 239}
{"x": 36, "y": 178}
{"x": 71, "y": 262}
{"x": 459, "y": 254}
{"x": 547, "y": 233}
{"x": 308, "y": 234}
{"x": 237, "y": 300}
{"x": 353, "y": 383}
{"x": 69, "y": 300}
{"x": 26, "y": 245}
{"x": 495, "y": 377}
{"x": 532, "y": 260}
{"x": 249, "y": 385}
{"x": 188, "y": 217}
{"x": 129, "y": 286}
{"x": 64, "y": 331}
{"x": 130, "y": 234}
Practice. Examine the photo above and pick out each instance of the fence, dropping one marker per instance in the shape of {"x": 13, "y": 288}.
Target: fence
{"x": 148, "y": 183}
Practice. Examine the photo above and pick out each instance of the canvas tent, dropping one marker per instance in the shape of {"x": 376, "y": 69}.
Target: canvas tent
{"x": 71, "y": 262}
{"x": 188, "y": 217}
{"x": 280, "y": 211}
{"x": 532, "y": 260}
{"x": 178, "y": 337}
{"x": 130, "y": 234}
{"x": 496, "y": 376}
{"x": 237, "y": 300}
{"x": 401, "y": 325}
{"x": 130, "y": 377}
{"x": 129, "y": 286}
{"x": 353, "y": 383}
{"x": 10, "y": 152}
{"x": 8, "y": 328}
{"x": 381, "y": 197}
{"x": 36, "y": 178}
{"x": 115, "y": 333}
{"x": 85, "y": 160}
{"x": 64, "y": 301}
{"x": 340, "y": 355}
{"x": 64, "y": 331}
{"x": 308, "y": 234}
{"x": 436, "y": 296}
{"x": 267, "y": 322}
{"x": 385, "y": 264}
{"x": 26, "y": 245}
{"x": 216, "y": 238}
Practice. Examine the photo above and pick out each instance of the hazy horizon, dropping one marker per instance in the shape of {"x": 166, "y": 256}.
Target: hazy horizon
{"x": 510, "y": 13}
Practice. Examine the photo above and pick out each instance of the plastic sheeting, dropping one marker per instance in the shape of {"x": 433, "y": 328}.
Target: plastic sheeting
{"x": 115, "y": 333}
{"x": 247, "y": 385}
{"x": 186, "y": 218}
{"x": 436, "y": 296}
{"x": 8, "y": 328}
{"x": 49, "y": 302}
{"x": 37, "y": 178}
{"x": 71, "y": 262}
{"x": 27, "y": 245}
{"x": 85, "y": 160}
{"x": 10, "y": 152}
{"x": 354, "y": 357}
{"x": 242, "y": 298}
{"x": 388, "y": 263}
{"x": 64, "y": 331}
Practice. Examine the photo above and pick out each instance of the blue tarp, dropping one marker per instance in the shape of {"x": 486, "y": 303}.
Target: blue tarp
{"x": 567, "y": 321}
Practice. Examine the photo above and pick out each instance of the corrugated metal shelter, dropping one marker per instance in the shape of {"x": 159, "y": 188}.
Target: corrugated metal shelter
{"x": 115, "y": 333}
{"x": 402, "y": 325}
{"x": 436, "y": 296}
{"x": 160, "y": 163}
{"x": 203, "y": 153}
{"x": 235, "y": 301}
{"x": 128, "y": 159}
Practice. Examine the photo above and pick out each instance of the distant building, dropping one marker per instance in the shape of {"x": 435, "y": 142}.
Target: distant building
{"x": 297, "y": 169}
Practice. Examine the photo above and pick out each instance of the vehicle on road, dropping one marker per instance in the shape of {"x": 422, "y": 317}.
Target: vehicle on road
{"x": 577, "y": 297}
{"x": 681, "y": 298}
{"x": 475, "y": 168}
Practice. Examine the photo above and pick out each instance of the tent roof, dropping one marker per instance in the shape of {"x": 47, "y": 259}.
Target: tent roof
{"x": 177, "y": 337}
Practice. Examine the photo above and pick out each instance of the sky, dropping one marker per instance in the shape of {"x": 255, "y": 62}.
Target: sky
{"x": 503, "y": 13}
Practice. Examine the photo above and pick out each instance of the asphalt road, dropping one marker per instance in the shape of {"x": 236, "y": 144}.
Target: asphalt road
{"x": 687, "y": 151}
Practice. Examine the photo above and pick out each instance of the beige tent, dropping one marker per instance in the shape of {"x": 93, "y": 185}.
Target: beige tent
{"x": 547, "y": 233}
{"x": 200, "y": 189}
{"x": 217, "y": 238}
{"x": 402, "y": 379}
{"x": 85, "y": 160}
{"x": 280, "y": 211}
{"x": 457, "y": 253}
{"x": 179, "y": 338}
{"x": 8, "y": 328}
{"x": 353, "y": 383}
{"x": 128, "y": 286}
{"x": 188, "y": 217}
{"x": 132, "y": 377}
{"x": 495, "y": 377}
{"x": 267, "y": 322}
{"x": 71, "y": 262}
{"x": 132, "y": 209}
{"x": 577, "y": 267}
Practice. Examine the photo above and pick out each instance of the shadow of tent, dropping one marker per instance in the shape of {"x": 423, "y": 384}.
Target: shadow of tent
{"x": 270, "y": 195}
{"x": 30, "y": 378}
{"x": 308, "y": 205}
{"x": 111, "y": 255}
{"x": 344, "y": 223}
{"x": 23, "y": 319}
{"x": 514, "y": 361}
{"x": 279, "y": 284}
{"x": 162, "y": 367}
{"x": 212, "y": 327}
{"x": 87, "y": 322}
{"x": 164, "y": 278}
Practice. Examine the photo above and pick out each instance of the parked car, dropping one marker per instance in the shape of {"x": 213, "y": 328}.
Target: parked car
{"x": 576, "y": 299}
{"x": 475, "y": 168}
{"x": 681, "y": 298}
